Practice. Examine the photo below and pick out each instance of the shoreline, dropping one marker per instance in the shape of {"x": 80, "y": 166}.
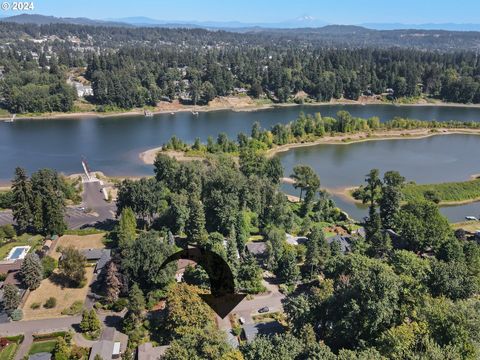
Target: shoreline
{"x": 208, "y": 108}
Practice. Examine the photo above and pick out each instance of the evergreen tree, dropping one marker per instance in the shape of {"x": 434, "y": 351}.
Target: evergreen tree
{"x": 32, "y": 271}
{"x": 317, "y": 252}
{"x": 22, "y": 199}
{"x": 136, "y": 300}
{"x": 391, "y": 198}
{"x": 195, "y": 226}
{"x": 126, "y": 229}
{"x": 288, "y": 270}
{"x": 11, "y": 298}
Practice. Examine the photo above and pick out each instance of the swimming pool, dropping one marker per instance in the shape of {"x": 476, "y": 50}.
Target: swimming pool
{"x": 18, "y": 252}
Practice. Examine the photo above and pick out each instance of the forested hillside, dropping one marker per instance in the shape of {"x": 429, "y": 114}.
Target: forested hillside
{"x": 134, "y": 67}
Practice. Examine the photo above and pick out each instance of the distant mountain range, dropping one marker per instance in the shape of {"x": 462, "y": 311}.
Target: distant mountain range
{"x": 301, "y": 22}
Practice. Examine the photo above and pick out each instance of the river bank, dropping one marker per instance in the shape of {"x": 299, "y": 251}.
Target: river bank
{"x": 148, "y": 156}
{"x": 227, "y": 103}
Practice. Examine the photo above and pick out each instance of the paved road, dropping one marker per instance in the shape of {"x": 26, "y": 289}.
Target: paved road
{"x": 273, "y": 300}
{"x": 76, "y": 217}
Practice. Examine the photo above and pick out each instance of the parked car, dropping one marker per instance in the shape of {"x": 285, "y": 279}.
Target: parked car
{"x": 241, "y": 321}
{"x": 263, "y": 310}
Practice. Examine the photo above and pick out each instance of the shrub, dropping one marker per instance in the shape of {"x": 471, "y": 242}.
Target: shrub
{"x": 35, "y": 306}
{"x": 9, "y": 231}
{"x": 74, "y": 309}
{"x": 3, "y": 276}
{"x": 16, "y": 315}
{"x": 50, "y": 303}
{"x": 120, "y": 304}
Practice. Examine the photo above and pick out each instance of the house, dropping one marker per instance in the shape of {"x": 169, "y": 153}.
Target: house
{"x": 295, "y": 240}
{"x": 250, "y": 331}
{"x": 83, "y": 90}
{"x": 344, "y": 241}
{"x": 112, "y": 345}
{"x": 147, "y": 351}
{"x": 99, "y": 256}
{"x": 11, "y": 273}
{"x": 257, "y": 248}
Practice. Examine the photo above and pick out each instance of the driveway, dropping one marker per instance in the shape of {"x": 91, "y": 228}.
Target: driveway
{"x": 272, "y": 299}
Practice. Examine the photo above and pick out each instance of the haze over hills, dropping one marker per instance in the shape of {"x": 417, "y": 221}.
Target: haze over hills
{"x": 297, "y": 23}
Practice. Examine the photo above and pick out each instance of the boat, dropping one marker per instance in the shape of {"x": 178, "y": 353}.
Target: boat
{"x": 147, "y": 113}
{"x": 172, "y": 113}
{"x": 472, "y": 218}
{"x": 194, "y": 112}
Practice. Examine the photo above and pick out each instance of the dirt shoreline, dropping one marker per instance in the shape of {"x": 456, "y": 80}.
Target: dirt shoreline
{"x": 223, "y": 104}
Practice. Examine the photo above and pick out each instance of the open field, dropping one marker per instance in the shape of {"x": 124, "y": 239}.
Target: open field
{"x": 94, "y": 241}
{"x": 8, "y": 352}
{"x": 51, "y": 288}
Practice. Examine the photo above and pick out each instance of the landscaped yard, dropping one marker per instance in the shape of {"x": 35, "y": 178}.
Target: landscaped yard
{"x": 42, "y": 346}
{"x": 94, "y": 241}
{"x": 51, "y": 288}
{"x": 35, "y": 241}
{"x": 8, "y": 352}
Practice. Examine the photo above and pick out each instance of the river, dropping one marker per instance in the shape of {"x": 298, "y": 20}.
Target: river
{"x": 112, "y": 145}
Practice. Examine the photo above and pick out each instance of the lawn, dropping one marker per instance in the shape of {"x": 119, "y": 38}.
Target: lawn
{"x": 80, "y": 242}
{"x": 9, "y": 352}
{"x": 42, "y": 346}
{"x": 35, "y": 241}
{"x": 50, "y": 287}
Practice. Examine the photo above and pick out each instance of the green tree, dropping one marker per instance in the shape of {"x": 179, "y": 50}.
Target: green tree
{"x": 90, "y": 323}
{"x": 22, "y": 199}
{"x": 195, "y": 225}
{"x": 317, "y": 252}
{"x": 127, "y": 229}
{"x": 72, "y": 266}
{"x": 11, "y": 297}
{"x": 391, "y": 198}
{"x": 249, "y": 275}
{"x": 143, "y": 263}
{"x": 306, "y": 179}
{"x": 287, "y": 270}
{"x": 136, "y": 300}
{"x": 32, "y": 271}
{"x": 61, "y": 351}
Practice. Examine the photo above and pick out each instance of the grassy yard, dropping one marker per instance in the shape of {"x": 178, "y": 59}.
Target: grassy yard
{"x": 42, "y": 346}
{"x": 467, "y": 225}
{"x": 450, "y": 192}
{"x": 35, "y": 241}
{"x": 80, "y": 242}
{"x": 51, "y": 287}
{"x": 8, "y": 353}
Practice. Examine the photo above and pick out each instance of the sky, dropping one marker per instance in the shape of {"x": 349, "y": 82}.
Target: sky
{"x": 252, "y": 11}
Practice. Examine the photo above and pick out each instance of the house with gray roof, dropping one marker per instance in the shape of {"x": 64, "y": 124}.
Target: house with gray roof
{"x": 343, "y": 241}
{"x": 99, "y": 256}
{"x": 250, "y": 331}
{"x": 147, "y": 351}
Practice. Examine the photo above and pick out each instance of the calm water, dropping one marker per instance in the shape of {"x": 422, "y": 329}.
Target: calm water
{"x": 112, "y": 144}
{"x": 428, "y": 160}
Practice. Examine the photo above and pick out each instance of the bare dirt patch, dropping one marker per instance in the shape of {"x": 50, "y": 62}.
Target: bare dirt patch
{"x": 94, "y": 241}
{"x": 51, "y": 288}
